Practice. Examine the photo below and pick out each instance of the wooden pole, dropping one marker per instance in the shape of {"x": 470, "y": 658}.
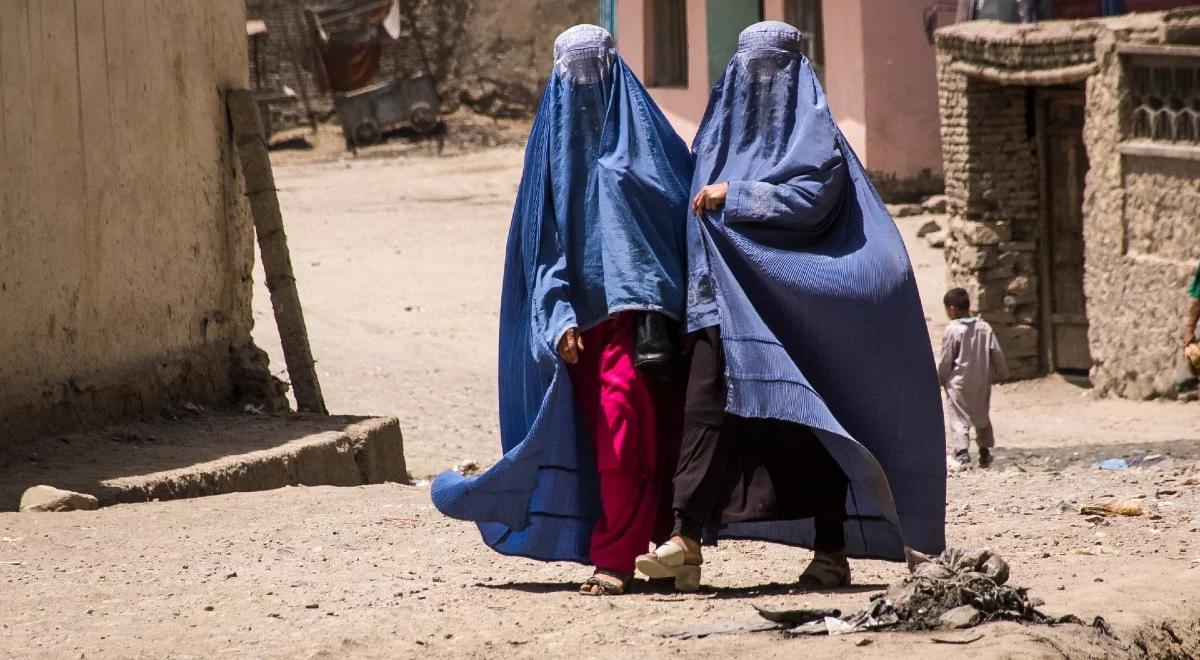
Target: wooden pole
{"x": 272, "y": 243}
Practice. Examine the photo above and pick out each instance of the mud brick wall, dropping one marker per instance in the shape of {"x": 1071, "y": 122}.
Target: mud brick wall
{"x": 1141, "y": 230}
{"x": 990, "y": 163}
{"x": 490, "y": 55}
{"x": 126, "y": 251}
{"x": 1141, "y": 233}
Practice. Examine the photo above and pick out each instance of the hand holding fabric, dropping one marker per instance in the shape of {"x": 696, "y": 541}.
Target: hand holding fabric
{"x": 710, "y": 198}
{"x": 806, "y": 202}
{"x": 570, "y": 345}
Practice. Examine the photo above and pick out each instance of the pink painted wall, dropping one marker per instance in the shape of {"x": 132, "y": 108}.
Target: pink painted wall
{"x": 900, "y": 88}
{"x": 880, "y": 77}
{"x": 844, "y": 69}
{"x": 683, "y": 106}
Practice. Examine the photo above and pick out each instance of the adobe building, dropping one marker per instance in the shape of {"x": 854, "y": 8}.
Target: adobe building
{"x": 1072, "y": 165}
{"x": 875, "y": 63}
{"x": 126, "y": 246}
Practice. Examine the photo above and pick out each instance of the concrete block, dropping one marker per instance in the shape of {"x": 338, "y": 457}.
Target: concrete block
{"x": 211, "y": 454}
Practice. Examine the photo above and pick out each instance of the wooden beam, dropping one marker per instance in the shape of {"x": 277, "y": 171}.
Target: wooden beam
{"x": 272, "y": 243}
{"x": 1155, "y": 149}
{"x": 1161, "y": 50}
{"x": 1026, "y": 77}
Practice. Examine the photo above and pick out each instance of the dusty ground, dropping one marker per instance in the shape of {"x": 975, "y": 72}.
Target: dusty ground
{"x": 398, "y": 264}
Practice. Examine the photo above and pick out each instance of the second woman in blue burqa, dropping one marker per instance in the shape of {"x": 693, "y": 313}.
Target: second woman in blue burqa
{"x": 813, "y": 416}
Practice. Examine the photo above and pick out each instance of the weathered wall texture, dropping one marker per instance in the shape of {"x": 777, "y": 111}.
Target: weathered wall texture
{"x": 491, "y": 55}
{"x": 125, "y": 251}
{"x": 1141, "y": 236}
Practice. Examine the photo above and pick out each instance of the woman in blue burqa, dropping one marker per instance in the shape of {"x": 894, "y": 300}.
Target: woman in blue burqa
{"x": 594, "y": 269}
{"x": 812, "y": 416}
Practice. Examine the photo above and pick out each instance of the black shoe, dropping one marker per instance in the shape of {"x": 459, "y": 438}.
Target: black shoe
{"x": 963, "y": 456}
{"x": 985, "y": 458}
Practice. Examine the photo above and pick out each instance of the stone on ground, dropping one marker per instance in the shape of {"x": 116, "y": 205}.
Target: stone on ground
{"x": 928, "y": 228}
{"x": 936, "y": 204}
{"x": 905, "y": 210}
{"x": 44, "y": 498}
{"x": 937, "y": 239}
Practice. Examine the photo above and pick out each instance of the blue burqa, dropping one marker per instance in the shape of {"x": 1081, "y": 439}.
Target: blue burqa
{"x": 808, "y": 278}
{"x": 598, "y": 229}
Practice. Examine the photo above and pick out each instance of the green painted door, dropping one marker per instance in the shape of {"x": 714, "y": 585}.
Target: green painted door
{"x": 727, "y": 19}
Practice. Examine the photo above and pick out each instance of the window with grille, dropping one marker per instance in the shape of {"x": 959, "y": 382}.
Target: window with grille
{"x": 1165, "y": 100}
{"x": 806, "y": 16}
{"x": 666, "y": 43}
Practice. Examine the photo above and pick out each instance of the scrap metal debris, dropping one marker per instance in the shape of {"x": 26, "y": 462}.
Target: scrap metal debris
{"x": 957, "y": 589}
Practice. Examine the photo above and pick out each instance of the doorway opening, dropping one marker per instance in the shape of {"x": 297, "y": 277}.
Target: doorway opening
{"x": 1063, "y": 163}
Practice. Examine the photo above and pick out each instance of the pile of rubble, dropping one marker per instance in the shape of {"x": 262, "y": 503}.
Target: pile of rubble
{"x": 956, "y": 589}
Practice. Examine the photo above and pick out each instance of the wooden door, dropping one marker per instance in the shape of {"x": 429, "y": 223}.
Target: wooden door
{"x": 1064, "y": 165}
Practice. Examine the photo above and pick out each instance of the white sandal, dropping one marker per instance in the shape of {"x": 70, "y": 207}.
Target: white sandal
{"x": 828, "y": 570}
{"x": 669, "y": 560}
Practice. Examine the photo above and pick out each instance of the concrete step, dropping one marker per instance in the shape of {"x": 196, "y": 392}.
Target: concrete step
{"x": 208, "y": 454}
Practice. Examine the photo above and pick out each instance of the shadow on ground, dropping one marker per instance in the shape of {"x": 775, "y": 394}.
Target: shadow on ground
{"x": 1058, "y": 458}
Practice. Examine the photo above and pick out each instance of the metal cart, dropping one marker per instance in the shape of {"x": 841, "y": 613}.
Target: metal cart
{"x": 368, "y": 111}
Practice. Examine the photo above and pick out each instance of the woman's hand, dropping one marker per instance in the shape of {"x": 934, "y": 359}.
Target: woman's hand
{"x": 570, "y": 345}
{"x": 710, "y": 197}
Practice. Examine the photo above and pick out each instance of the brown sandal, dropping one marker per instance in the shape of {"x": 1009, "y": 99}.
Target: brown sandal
{"x": 596, "y": 586}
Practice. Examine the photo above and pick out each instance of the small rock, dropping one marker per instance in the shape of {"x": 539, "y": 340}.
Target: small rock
{"x": 209, "y": 608}
{"x": 865, "y": 641}
{"x": 963, "y": 616}
{"x": 47, "y": 498}
{"x": 905, "y": 210}
{"x": 937, "y": 239}
{"x": 936, "y": 204}
{"x": 312, "y": 606}
{"x": 928, "y": 228}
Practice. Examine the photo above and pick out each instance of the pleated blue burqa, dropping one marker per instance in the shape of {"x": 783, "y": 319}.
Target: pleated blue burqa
{"x": 807, "y": 276}
{"x": 598, "y": 229}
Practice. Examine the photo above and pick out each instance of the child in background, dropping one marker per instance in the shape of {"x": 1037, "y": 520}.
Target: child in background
{"x": 971, "y": 358}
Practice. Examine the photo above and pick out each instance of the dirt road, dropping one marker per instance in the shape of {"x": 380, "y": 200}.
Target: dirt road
{"x": 398, "y": 264}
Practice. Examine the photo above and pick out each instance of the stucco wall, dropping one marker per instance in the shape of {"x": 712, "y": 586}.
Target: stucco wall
{"x": 125, "y": 251}
{"x": 845, "y": 71}
{"x": 900, "y": 86}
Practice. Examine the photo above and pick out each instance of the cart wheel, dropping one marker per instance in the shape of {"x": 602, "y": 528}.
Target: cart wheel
{"x": 368, "y": 132}
{"x": 423, "y": 118}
